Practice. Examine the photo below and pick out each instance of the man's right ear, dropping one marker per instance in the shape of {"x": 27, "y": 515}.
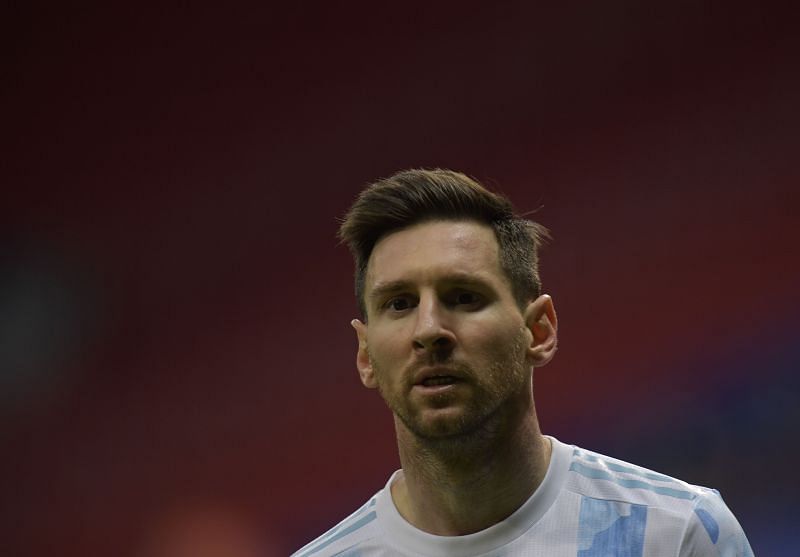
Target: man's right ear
{"x": 363, "y": 362}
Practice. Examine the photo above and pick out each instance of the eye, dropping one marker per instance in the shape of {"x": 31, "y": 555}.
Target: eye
{"x": 467, "y": 300}
{"x": 398, "y": 304}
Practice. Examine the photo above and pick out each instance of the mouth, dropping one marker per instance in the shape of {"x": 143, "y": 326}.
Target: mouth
{"x": 438, "y": 380}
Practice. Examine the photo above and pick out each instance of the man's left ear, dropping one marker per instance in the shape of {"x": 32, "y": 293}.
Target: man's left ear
{"x": 540, "y": 318}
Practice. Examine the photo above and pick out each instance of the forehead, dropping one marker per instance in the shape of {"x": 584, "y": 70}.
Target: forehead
{"x": 432, "y": 250}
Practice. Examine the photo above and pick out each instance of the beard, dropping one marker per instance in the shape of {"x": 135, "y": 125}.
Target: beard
{"x": 495, "y": 392}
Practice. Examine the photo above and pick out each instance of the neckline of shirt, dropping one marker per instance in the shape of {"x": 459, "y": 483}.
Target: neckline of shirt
{"x": 403, "y": 535}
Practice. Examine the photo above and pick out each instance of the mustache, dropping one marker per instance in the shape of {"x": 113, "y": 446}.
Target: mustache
{"x": 435, "y": 357}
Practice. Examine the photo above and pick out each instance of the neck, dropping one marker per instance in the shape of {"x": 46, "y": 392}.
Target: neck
{"x": 458, "y": 486}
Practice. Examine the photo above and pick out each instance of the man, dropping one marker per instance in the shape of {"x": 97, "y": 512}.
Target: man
{"x": 454, "y": 324}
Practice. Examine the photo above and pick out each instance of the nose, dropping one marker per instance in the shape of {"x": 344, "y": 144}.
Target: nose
{"x": 432, "y": 332}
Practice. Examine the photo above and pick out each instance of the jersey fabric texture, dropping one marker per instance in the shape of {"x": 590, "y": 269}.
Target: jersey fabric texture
{"x": 588, "y": 505}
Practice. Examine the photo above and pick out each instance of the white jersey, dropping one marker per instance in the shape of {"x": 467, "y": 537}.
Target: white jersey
{"x": 588, "y": 505}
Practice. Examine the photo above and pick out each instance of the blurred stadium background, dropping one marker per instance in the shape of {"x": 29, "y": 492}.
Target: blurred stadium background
{"x": 176, "y": 364}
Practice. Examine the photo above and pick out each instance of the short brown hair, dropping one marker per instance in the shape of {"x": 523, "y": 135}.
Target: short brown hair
{"x": 413, "y": 196}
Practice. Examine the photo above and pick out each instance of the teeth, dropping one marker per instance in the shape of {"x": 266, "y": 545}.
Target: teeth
{"x": 433, "y": 381}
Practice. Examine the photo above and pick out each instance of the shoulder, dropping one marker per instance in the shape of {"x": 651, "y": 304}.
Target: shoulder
{"x": 713, "y": 530}
{"x": 596, "y": 475}
{"x": 693, "y": 515}
{"x": 355, "y": 530}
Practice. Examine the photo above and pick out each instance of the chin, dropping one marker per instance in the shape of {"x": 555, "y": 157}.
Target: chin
{"x": 445, "y": 424}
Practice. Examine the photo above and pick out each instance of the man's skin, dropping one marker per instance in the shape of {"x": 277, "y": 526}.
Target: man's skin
{"x": 452, "y": 352}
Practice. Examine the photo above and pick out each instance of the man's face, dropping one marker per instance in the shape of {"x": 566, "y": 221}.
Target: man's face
{"x": 446, "y": 344}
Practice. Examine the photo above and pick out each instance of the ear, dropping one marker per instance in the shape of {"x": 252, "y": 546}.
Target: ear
{"x": 540, "y": 318}
{"x": 363, "y": 362}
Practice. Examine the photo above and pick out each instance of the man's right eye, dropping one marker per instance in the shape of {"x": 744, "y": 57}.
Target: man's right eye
{"x": 399, "y": 304}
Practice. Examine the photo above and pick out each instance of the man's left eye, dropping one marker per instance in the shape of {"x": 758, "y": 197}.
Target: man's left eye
{"x": 466, "y": 298}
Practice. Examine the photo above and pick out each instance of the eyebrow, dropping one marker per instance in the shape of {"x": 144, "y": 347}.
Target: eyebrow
{"x": 459, "y": 279}
{"x": 383, "y": 288}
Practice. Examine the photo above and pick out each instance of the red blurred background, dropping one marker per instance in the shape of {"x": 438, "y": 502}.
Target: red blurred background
{"x": 176, "y": 366}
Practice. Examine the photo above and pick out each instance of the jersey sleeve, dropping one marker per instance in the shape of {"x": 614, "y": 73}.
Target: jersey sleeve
{"x": 713, "y": 531}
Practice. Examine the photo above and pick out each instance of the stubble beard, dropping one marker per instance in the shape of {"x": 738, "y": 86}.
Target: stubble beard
{"x": 491, "y": 405}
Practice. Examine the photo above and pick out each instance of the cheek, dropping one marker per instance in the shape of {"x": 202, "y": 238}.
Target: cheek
{"x": 495, "y": 334}
{"x": 507, "y": 351}
{"x": 387, "y": 346}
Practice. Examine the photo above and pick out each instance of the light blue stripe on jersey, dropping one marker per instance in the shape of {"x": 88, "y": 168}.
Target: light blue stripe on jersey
{"x": 352, "y": 528}
{"x": 611, "y": 528}
{"x": 346, "y": 527}
{"x": 709, "y": 524}
{"x": 596, "y": 474}
{"x": 619, "y": 468}
{"x": 722, "y": 528}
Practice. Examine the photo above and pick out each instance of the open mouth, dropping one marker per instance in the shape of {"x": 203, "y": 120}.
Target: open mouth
{"x": 438, "y": 380}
